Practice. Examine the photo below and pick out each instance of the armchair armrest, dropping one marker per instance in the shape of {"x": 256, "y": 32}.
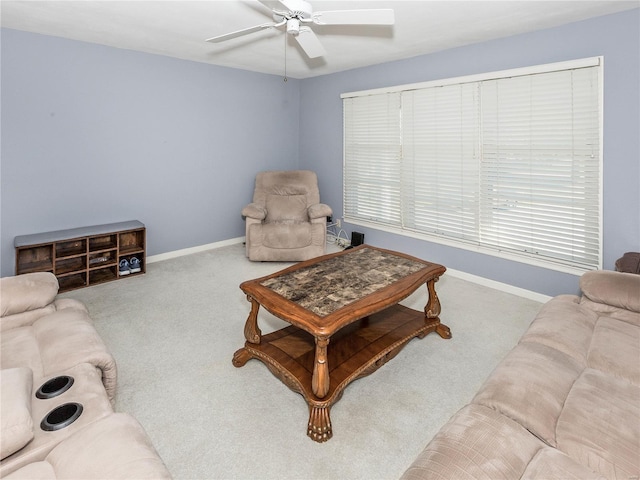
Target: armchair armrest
{"x": 253, "y": 210}
{"x": 319, "y": 210}
{"x": 28, "y": 292}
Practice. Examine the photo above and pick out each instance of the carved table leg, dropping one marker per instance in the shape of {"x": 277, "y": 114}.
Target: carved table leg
{"x": 432, "y": 309}
{"x": 443, "y": 331}
{"x": 251, "y": 331}
{"x": 320, "y": 380}
{"x": 319, "y": 428}
{"x": 240, "y": 358}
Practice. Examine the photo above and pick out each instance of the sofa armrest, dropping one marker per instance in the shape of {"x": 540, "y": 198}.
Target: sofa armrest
{"x": 617, "y": 289}
{"x": 17, "y": 425}
{"x": 319, "y": 210}
{"x": 253, "y": 210}
{"x": 28, "y": 292}
{"x": 114, "y": 447}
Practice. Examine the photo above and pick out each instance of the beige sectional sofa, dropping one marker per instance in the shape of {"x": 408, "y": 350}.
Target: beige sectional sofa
{"x": 57, "y": 390}
{"x": 563, "y": 404}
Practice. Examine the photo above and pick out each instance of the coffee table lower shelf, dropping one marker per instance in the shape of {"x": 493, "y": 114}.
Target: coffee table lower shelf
{"x": 355, "y": 351}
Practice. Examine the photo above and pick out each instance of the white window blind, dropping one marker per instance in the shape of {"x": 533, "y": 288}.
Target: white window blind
{"x": 373, "y": 146}
{"x": 441, "y": 161}
{"x": 509, "y": 164}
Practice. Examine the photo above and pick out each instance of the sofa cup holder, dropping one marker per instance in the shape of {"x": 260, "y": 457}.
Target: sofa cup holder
{"x": 54, "y": 387}
{"x": 61, "y": 417}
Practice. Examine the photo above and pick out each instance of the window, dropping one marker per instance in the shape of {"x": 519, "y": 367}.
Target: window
{"x": 507, "y": 163}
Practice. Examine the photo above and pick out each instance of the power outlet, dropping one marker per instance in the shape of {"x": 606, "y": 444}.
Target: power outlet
{"x": 338, "y": 223}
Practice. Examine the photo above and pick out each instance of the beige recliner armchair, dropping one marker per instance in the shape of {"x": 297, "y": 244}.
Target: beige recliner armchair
{"x": 286, "y": 221}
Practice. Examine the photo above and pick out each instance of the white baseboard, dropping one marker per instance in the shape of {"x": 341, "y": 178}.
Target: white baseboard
{"x": 189, "y": 251}
{"x": 503, "y": 287}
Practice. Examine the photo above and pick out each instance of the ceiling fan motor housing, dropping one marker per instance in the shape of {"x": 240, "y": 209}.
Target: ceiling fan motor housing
{"x": 298, "y": 9}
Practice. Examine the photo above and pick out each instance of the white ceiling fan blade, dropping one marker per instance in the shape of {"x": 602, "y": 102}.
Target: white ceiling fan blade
{"x": 272, "y": 4}
{"x": 239, "y": 33}
{"x": 276, "y": 5}
{"x": 381, "y": 16}
{"x": 310, "y": 43}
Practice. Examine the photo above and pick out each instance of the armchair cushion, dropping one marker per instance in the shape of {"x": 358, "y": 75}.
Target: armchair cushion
{"x": 287, "y": 209}
{"x": 283, "y": 236}
{"x": 15, "y": 407}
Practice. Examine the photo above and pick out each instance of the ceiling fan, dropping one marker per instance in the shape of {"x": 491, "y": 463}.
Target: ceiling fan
{"x": 297, "y": 14}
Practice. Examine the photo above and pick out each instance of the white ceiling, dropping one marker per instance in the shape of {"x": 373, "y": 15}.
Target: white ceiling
{"x": 179, "y": 28}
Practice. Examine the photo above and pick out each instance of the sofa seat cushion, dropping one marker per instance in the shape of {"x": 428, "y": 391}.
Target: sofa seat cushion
{"x": 57, "y": 342}
{"x": 16, "y": 385}
{"x": 481, "y": 444}
{"x": 530, "y": 386}
{"x": 600, "y": 425}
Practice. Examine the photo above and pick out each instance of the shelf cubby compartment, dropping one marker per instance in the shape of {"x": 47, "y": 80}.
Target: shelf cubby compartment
{"x": 140, "y": 257}
{"x": 131, "y": 242}
{"x": 100, "y": 275}
{"x": 103, "y": 242}
{"x": 71, "y": 248}
{"x": 34, "y": 259}
{"x": 103, "y": 258}
{"x": 72, "y": 281}
{"x": 70, "y": 264}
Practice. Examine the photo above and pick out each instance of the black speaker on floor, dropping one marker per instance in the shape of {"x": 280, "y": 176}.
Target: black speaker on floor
{"x": 357, "y": 238}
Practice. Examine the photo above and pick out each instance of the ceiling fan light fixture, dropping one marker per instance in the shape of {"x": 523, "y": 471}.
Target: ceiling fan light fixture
{"x": 293, "y": 26}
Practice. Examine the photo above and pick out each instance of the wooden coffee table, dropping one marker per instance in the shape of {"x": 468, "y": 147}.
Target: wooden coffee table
{"x": 345, "y": 322}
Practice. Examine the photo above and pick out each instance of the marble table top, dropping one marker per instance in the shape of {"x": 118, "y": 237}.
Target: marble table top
{"x": 324, "y": 287}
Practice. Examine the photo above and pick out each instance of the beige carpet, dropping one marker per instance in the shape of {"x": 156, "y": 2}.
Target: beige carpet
{"x": 173, "y": 333}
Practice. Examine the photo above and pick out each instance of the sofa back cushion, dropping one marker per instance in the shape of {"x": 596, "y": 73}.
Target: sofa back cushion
{"x": 530, "y": 386}
{"x": 23, "y": 293}
{"x": 617, "y": 289}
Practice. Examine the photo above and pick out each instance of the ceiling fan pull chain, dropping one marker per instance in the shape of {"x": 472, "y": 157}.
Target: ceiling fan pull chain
{"x": 285, "y": 58}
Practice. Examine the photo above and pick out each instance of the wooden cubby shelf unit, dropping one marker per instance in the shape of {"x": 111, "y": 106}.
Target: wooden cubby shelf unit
{"x": 83, "y": 256}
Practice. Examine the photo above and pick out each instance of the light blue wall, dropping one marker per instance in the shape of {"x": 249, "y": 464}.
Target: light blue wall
{"x": 617, "y": 37}
{"x": 93, "y": 134}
